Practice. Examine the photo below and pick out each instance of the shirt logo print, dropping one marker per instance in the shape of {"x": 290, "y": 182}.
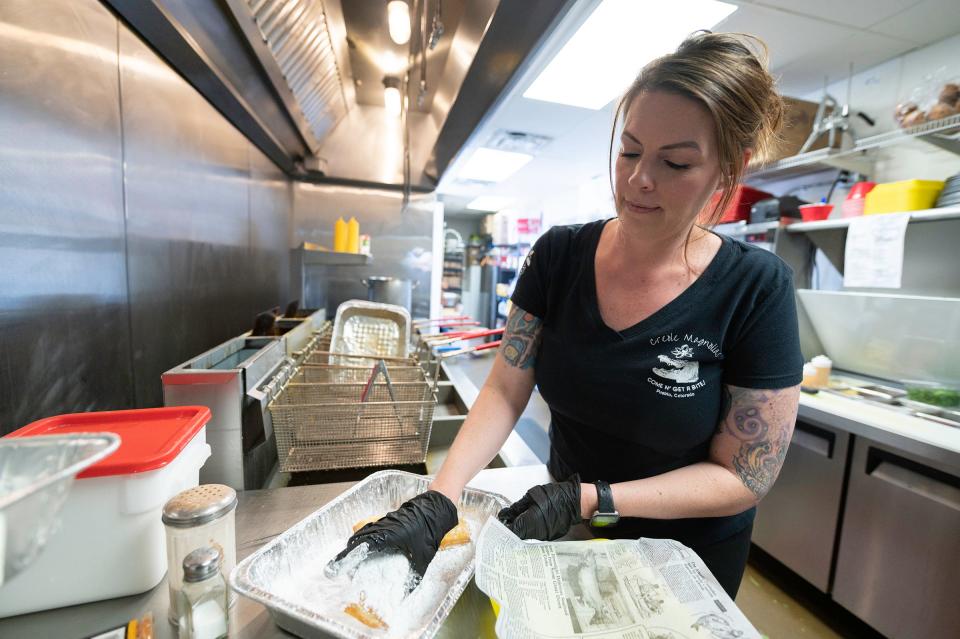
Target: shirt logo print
{"x": 677, "y": 373}
{"x": 679, "y": 368}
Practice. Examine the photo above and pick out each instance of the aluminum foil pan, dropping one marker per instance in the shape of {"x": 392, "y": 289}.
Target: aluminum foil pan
{"x": 369, "y": 328}
{"x": 257, "y": 576}
{"x": 36, "y": 474}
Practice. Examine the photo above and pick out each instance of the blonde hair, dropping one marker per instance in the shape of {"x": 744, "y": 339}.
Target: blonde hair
{"x": 730, "y": 78}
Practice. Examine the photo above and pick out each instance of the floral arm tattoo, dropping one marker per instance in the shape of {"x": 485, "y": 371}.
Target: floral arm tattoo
{"x": 521, "y": 338}
{"x": 754, "y": 434}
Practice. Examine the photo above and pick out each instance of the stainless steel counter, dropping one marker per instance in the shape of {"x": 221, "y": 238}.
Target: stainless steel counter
{"x": 931, "y": 441}
{"x": 529, "y": 443}
{"x": 261, "y": 516}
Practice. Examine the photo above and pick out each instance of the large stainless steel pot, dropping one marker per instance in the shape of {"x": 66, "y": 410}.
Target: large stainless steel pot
{"x": 390, "y": 290}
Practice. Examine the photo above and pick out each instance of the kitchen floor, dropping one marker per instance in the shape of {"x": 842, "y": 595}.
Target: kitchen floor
{"x": 781, "y": 605}
{"x": 775, "y": 613}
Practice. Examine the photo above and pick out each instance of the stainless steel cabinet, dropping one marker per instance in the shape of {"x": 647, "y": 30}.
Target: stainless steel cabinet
{"x": 900, "y": 544}
{"x": 797, "y": 520}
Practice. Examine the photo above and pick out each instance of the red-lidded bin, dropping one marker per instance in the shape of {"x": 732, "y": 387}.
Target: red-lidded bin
{"x": 739, "y": 208}
{"x": 111, "y": 542}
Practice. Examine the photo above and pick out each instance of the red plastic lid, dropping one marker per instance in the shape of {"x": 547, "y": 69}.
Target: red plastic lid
{"x": 150, "y": 438}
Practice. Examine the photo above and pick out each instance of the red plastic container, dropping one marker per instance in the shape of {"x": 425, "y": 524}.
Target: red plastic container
{"x": 815, "y": 212}
{"x": 150, "y": 438}
{"x": 853, "y": 205}
{"x": 739, "y": 208}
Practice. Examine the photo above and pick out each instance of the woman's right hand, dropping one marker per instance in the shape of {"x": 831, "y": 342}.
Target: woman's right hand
{"x": 545, "y": 512}
{"x": 414, "y": 530}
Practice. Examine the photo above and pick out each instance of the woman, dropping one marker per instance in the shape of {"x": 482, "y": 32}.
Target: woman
{"x": 669, "y": 356}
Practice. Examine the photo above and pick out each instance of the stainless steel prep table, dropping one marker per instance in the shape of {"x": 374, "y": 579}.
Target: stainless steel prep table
{"x": 261, "y": 516}
{"x": 917, "y": 436}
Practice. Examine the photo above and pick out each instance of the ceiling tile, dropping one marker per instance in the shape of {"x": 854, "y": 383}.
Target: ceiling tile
{"x": 929, "y": 21}
{"x": 780, "y": 30}
{"x": 863, "y": 49}
{"x": 537, "y": 117}
{"x": 587, "y": 142}
{"x": 855, "y": 13}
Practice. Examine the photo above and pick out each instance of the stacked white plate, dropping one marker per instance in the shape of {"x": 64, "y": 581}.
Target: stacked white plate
{"x": 950, "y": 195}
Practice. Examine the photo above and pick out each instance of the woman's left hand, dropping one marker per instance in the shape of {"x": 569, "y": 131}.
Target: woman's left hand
{"x": 546, "y": 512}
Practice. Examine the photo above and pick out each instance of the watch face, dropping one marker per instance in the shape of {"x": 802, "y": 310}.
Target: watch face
{"x": 604, "y": 520}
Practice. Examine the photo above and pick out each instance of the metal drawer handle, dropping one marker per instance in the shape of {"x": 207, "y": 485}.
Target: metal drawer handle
{"x": 811, "y": 442}
{"x": 914, "y": 482}
{"x": 814, "y": 439}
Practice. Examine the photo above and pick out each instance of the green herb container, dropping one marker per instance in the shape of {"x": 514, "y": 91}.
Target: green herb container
{"x": 933, "y": 393}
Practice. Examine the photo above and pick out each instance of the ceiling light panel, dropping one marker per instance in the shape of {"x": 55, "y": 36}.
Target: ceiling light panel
{"x": 491, "y": 165}
{"x": 489, "y": 203}
{"x": 605, "y": 54}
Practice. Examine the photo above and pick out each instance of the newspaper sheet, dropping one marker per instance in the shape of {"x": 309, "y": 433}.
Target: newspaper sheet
{"x": 624, "y": 589}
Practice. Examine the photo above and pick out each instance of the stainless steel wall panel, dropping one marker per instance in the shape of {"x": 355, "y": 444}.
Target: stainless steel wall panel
{"x": 271, "y": 214}
{"x": 187, "y": 211}
{"x": 138, "y": 228}
{"x": 63, "y": 314}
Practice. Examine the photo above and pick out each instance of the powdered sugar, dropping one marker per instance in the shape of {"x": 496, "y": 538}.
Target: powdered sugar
{"x": 380, "y": 583}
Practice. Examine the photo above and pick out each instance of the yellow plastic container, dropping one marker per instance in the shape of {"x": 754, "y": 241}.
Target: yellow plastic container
{"x": 340, "y": 236}
{"x": 353, "y": 235}
{"x": 908, "y": 195}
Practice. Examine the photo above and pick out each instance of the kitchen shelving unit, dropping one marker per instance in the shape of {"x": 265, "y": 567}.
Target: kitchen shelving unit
{"x": 943, "y": 133}
{"x": 927, "y": 215}
{"x": 312, "y": 257}
{"x": 313, "y": 270}
{"x": 452, "y": 282}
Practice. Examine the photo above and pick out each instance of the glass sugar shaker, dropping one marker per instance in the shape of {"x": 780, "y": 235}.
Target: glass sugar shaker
{"x": 198, "y": 517}
{"x": 203, "y": 596}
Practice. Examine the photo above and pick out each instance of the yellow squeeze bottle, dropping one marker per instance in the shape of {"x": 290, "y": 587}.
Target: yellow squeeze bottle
{"x": 353, "y": 236}
{"x": 340, "y": 236}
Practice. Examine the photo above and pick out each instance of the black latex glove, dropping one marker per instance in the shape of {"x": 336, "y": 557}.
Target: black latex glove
{"x": 415, "y": 530}
{"x": 546, "y": 512}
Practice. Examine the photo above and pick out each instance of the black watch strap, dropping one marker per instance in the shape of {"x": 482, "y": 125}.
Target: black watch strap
{"x": 604, "y": 497}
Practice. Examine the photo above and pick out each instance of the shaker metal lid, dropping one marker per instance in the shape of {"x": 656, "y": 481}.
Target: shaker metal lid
{"x": 201, "y": 563}
{"x": 199, "y": 505}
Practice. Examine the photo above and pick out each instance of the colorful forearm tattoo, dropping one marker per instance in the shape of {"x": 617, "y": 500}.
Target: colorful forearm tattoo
{"x": 521, "y": 338}
{"x": 762, "y": 422}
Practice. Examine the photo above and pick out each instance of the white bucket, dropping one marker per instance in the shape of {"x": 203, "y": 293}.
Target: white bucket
{"x": 111, "y": 542}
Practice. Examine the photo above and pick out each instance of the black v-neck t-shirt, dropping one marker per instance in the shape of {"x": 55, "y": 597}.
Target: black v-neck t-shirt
{"x": 646, "y": 400}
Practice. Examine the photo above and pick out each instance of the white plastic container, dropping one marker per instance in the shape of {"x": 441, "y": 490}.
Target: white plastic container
{"x": 111, "y": 542}
{"x": 823, "y": 366}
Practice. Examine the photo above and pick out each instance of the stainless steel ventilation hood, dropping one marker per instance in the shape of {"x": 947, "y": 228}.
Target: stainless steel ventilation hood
{"x": 303, "y": 79}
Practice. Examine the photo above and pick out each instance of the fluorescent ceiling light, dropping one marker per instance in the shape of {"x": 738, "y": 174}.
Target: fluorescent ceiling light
{"x": 398, "y": 21}
{"x": 489, "y": 203}
{"x": 490, "y": 165}
{"x": 604, "y": 56}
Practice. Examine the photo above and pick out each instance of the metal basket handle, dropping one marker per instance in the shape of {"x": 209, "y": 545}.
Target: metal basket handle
{"x": 379, "y": 369}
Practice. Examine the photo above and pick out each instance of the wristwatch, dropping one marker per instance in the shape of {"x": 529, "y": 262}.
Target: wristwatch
{"x": 606, "y": 515}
